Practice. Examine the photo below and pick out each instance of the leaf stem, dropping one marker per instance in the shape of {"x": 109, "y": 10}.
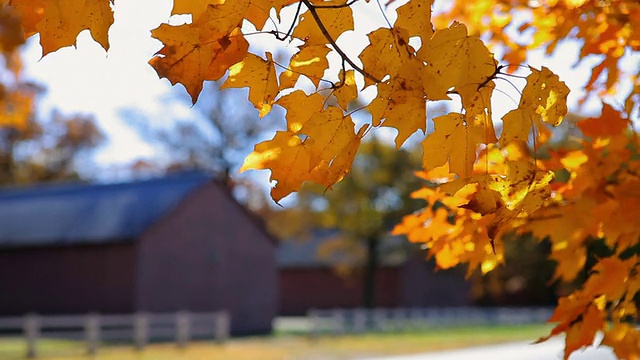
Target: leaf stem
{"x": 323, "y": 29}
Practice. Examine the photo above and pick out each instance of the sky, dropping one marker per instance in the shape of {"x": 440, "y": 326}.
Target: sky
{"x": 88, "y": 80}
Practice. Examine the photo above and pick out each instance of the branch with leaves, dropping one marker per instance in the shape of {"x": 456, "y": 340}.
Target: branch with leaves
{"x": 489, "y": 184}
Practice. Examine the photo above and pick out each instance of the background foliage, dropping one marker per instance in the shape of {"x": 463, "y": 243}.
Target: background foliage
{"x": 491, "y": 183}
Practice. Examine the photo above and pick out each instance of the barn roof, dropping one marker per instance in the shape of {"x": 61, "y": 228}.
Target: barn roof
{"x": 55, "y": 214}
{"x": 307, "y": 253}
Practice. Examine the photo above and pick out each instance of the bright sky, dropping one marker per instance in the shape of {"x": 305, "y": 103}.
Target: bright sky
{"x": 89, "y": 80}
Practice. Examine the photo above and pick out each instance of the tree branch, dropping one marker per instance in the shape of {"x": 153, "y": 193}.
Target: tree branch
{"x": 323, "y": 29}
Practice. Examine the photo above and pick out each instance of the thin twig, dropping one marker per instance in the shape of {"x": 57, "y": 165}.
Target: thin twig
{"x": 384, "y": 14}
{"x": 293, "y": 24}
{"x": 326, "y": 34}
{"x": 347, "y": 4}
{"x": 301, "y": 73}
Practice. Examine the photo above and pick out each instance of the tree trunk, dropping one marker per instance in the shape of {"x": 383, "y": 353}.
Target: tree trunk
{"x": 369, "y": 280}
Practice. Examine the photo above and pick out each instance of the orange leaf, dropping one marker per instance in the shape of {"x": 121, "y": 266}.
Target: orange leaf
{"x": 259, "y": 76}
{"x": 60, "y": 21}
{"x": 610, "y": 123}
{"x": 194, "y": 53}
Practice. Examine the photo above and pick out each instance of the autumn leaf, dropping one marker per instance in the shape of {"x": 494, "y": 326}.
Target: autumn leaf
{"x": 260, "y": 76}
{"x": 610, "y": 123}
{"x": 330, "y": 172}
{"x": 300, "y": 107}
{"x": 31, "y": 13}
{"x": 454, "y": 140}
{"x": 60, "y": 21}
{"x": 287, "y": 156}
{"x": 546, "y": 95}
{"x": 544, "y": 99}
{"x": 335, "y": 21}
{"x": 582, "y": 333}
{"x": 193, "y": 7}
{"x": 194, "y": 53}
{"x": 347, "y": 89}
{"x": 415, "y": 17}
{"x": 309, "y": 61}
{"x": 453, "y": 48}
{"x": 386, "y": 53}
{"x": 488, "y": 186}
{"x": 329, "y": 132}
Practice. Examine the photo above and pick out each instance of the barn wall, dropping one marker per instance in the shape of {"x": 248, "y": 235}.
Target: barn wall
{"x": 424, "y": 287}
{"x": 302, "y": 289}
{"x": 69, "y": 279}
{"x": 208, "y": 254}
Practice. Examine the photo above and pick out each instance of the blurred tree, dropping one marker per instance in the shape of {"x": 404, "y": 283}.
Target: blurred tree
{"x": 46, "y": 150}
{"x": 213, "y": 144}
{"x": 32, "y": 150}
{"x": 362, "y": 209}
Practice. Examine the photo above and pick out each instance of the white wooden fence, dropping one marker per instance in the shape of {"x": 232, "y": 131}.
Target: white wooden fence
{"x": 339, "y": 321}
{"x": 139, "y": 328}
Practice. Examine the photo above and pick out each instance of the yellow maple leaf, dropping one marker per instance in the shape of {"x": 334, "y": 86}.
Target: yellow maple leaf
{"x": 415, "y": 17}
{"x": 256, "y": 11}
{"x": 310, "y": 61}
{"x": 545, "y": 95}
{"x": 454, "y": 140}
{"x": 516, "y": 126}
{"x": 300, "y": 107}
{"x": 330, "y": 172}
{"x": 347, "y": 90}
{"x": 544, "y": 99}
{"x": 193, "y": 7}
{"x": 335, "y": 20}
{"x": 60, "y": 21}
{"x": 386, "y": 53}
{"x": 624, "y": 339}
{"x": 525, "y": 188}
{"x": 453, "y": 48}
{"x": 31, "y": 12}
{"x": 582, "y": 333}
{"x": 259, "y": 75}
{"x": 287, "y": 156}
{"x": 610, "y": 277}
{"x": 194, "y": 53}
{"x": 610, "y": 123}
{"x": 330, "y": 132}
{"x": 405, "y": 111}
{"x": 401, "y": 103}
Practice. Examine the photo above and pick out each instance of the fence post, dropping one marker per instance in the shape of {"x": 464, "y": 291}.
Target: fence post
{"x": 140, "y": 330}
{"x": 380, "y": 320}
{"x": 223, "y": 326}
{"x": 339, "y": 322}
{"x": 314, "y": 323}
{"x": 92, "y": 332}
{"x": 359, "y": 321}
{"x": 31, "y": 333}
{"x": 183, "y": 328}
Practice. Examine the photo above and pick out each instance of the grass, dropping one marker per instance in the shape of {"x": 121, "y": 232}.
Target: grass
{"x": 284, "y": 346}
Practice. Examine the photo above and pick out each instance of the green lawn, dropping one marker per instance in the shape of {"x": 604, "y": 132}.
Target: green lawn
{"x": 286, "y": 346}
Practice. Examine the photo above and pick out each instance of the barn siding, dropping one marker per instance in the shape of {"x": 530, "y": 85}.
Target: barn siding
{"x": 302, "y": 289}
{"x": 67, "y": 279}
{"x": 422, "y": 286}
{"x": 208, "y": 255}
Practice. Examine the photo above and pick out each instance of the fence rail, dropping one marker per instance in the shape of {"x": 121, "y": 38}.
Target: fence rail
{"x": 139, "y": 328}
{"x": 339, "y": 321}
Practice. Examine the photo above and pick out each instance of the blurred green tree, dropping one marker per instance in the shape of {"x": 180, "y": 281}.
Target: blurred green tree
{"x": 362, "y": 208}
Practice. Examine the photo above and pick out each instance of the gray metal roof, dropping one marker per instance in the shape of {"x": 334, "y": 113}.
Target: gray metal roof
{"x": 304, "y": 253}
{"x": 81, "y": 213}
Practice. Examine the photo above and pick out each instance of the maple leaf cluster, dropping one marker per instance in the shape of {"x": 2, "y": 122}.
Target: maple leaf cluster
{"x": 607, "y": 30}
{"x": 489, "y": 185}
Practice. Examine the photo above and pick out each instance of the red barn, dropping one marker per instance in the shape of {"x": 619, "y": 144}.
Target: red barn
{"x": 180, "y": 242}
{"x": 308, "y": 281}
